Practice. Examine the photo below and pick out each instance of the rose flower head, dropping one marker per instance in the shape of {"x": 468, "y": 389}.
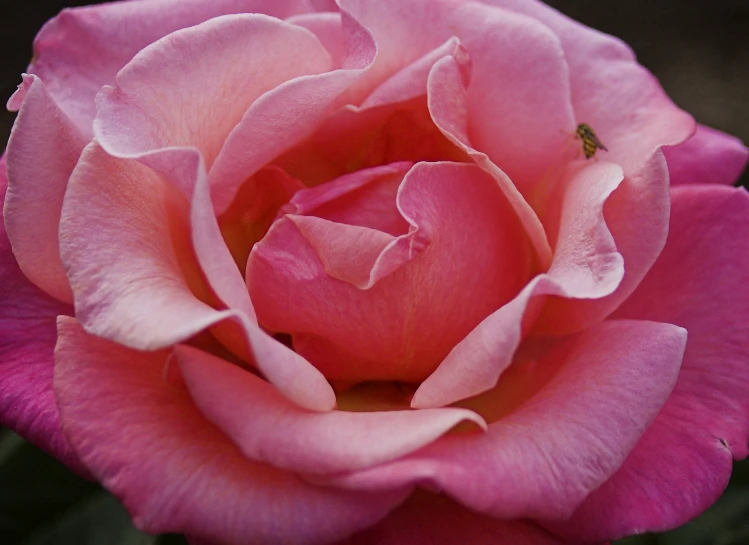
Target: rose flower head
{"x": 371, "y": 272}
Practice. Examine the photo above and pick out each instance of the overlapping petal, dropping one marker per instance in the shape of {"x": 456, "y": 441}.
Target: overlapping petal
{"x": 136, "y": 279}
{"x": 82, "y": 49}
{"x": 462, "y": 233}
{"x": 683, "y": 462}
{"x": 37, "y": 183}
{"x": 546, "y": 456}
{"x": 193, "y": 478}
{"x": 270, "y": 429}
{"x": 27, "y": 339}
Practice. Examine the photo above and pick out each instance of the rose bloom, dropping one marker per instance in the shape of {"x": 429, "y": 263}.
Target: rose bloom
{"x": 298, "y": 271}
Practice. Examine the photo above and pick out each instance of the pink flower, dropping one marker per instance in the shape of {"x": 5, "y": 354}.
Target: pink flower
{"x": 297, "y": 271}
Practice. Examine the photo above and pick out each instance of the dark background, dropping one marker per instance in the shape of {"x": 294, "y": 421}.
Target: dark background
{"x": 699, "y": 49}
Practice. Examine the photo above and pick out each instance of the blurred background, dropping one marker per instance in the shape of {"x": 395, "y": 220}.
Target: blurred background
{"x": 700, "y": 52}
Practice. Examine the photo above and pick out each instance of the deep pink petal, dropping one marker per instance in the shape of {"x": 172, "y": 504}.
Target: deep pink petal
{"x": 268, "y": 428}
{"x": 287, "y": 115}
{"x": 44, "y": 148}
{"x": 402, "y": 326}
{"x": 147, "y": 443}
{"x": 708, "y": 157}
{"x": 586, "y": 265}
{"x": 125, "y": 244}
{"x": 192, "y": 87}
{"x": 27, "y": 339}
{"x": 544, "y": 458}
{"x": 621, "y": 100}
{"x": 82, "y": 49}
{"x": 700, "y": 282}
{"x": 429, "y": 519}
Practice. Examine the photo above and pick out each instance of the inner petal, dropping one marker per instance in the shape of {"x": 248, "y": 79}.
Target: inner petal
{"x": 465, "y": 256}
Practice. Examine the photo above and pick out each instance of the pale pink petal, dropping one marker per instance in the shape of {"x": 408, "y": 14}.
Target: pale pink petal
{"x": 586, "y": 265}
{"x": 700, "y": 282}
{"x": 621, "y": 100}
{"x": 43, "y": 149}
{"x": 286, "y": 116}
{"x": 430, "y": 519}
{"x": 192, "y": 87}
{"x": 448, "y": 106}
{"x": 708, "y": 157}
{"x": 82, "y": 49}
{"x": 519, "y": 106}
{"x": 27, "y": 341}
{"x": 328, "y": 29}
{"x": 147, "y": 443}
{"x": 637, "y": 217}
{"x": 542, "y": 459}
{"x": 268, "y": 428}
{"x": 405, "y": 324}
{"x": 125, "y": 243}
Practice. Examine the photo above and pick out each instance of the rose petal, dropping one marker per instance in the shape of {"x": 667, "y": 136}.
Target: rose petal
{"x": 428, "y": 519}
{"x": 43, "y": 149}
{"x": 545, "y": 457}
{"x": 82, "y": 49}
{"x": 125, "y": 243}
{"x": 405, "y": 324}
{"x": 448, "y": 106}
{"x": 174, "y": 471}
{"x": 268, "y": 428}
{"x": 586, "y": 265}
{"x": 618, "y": 98}
{"x": 286, "y": 116}
{"x": 637, "y": 217}
{"x": 213, "y": 71}
{"x": 683, "y": 462}
{"x": 328, "y": 29}
{"x": 708, "y": 157}
{"x": 27, "y": 340}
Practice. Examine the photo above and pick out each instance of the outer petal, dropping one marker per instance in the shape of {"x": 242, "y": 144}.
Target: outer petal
{"x": 268, "y": 428}
{"x": 175, "y": 472}
{"x": 44, "y": 148}
{"x": 700, "y": 282}
{"x": 543, "y": 458}
{"x": 428, "y": 519}
{"x": 192, "y": 87}
{"x": 620, "y": 99}
{"x": 82, "y": 49}
{"x": 708, "y": 157}
{"x": 27, "y": 341}
{"x": 125, "y": 243}
{"x": 401, "y": 327}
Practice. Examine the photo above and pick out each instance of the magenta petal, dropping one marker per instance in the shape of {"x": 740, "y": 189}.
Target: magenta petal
{"x": 428, "y": 519}
{"x": 28, "y": 333}
{"x": 173, "y": 470}
{"x": 268, "y": 428}
{"x": 44, "y": 148}
{"x": 708, "y": 157}
{"x": 82, "y": 49}
{"x": 700, "y": 282}
{"x": 544, "y": 458}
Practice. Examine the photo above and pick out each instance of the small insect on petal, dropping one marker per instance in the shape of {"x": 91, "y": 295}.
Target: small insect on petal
{"x": 591, "y": 143}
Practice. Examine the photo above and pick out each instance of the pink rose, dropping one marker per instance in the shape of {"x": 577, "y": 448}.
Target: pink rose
{"x": 319, "y": 271}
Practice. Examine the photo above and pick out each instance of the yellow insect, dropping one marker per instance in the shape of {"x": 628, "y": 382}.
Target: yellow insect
{"x": 591, "y": 143}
